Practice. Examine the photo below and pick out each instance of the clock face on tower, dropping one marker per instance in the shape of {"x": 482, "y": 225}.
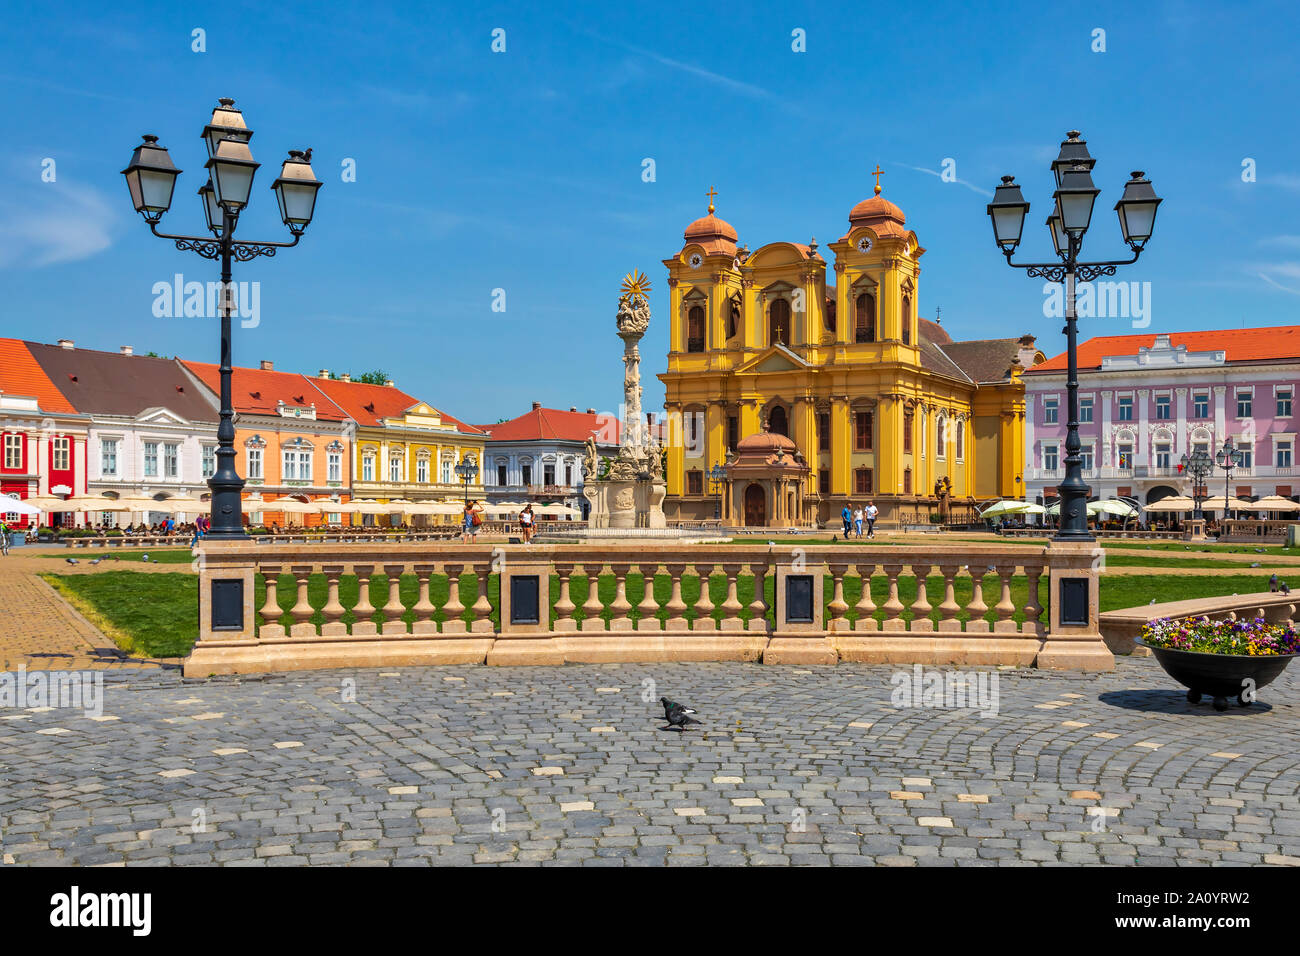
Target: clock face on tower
{"x": 864, "y": 244}
{"x": 696, "y": 260}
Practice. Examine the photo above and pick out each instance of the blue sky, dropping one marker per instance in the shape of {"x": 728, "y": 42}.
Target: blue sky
{"x": 523, "y": 170}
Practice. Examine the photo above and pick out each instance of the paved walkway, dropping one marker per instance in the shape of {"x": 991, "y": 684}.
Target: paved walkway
{"x": 565, "y": 765}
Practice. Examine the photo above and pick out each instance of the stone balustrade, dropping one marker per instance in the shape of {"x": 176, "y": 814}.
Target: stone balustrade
{"x": 367, "y": 604}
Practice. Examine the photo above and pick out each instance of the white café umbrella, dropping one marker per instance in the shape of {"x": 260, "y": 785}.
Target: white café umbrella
{"x": 186, "y": 504}
{"x": 102, "y": 503}
{"x": 1009, "y": 506}
{"x": 558, "y": 510}
{"x": 1172, "y": 503}
{"x": 368, "y": 506}
{"x": 47, "y": 502}
{"x": 1275, "y": 503}
{"x": 328, "y": 506}
{"x": 1112, "y": 506}
{"x": 10, "y": 505}
{"x": 291, "y": 506}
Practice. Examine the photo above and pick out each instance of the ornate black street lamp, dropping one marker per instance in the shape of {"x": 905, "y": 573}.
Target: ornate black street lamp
{"x": 1197, "y": 466}
{"x": 1228, "y": 457}
{"x": 1074, "y": 198}
{"x": 151, "y": 179}
{"x": 467, "y": 471}
{"x": 717, "y": 479}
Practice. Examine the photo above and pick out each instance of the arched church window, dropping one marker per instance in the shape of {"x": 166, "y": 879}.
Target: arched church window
{"x": 940, "y": 442}
{"x": 864, "y": 322}
{"x": 778, "y": 322}
{"x": 695, "y": 329}
{"x": 778, "y": 423}
{"x": 907, "y": 320}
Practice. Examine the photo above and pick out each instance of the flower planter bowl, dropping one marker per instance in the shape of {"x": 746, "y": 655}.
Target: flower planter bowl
{"x": 1221, "y": 676}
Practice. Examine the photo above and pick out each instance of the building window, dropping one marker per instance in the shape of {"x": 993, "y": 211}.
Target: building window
{"x": 908, "y": 417}
{"x": 422, "y": 471}
{"x": 733, "y": 431}
{"x": 778, "y": 422}
{"x": 254, "y": 463}
{"x": 907, "y": 320}
{"x": 1126, "y": 408}
{"x": 209, "y": 458}
{"x": 778, "y": 322}
{"x": 297, "y": 465}
{"x": 1162, "y": 456}
{"x": 1125, "y": 457}
{"x": 1051, "y": 409}
{"x": 548, "y": 474}
{"x": 695, "y": 329}
{"x": 368, "y": 468}
{"x": 862, "y": 431}
{"x": 446, "y": 472}
{"x": 1284, "y": 454}
{"x": 171, "y": 461}
{"x": 1284, "y": 403}
{"x": 1247, "y": 456}
{"x": 528, "y": 474}
{"x": 1245, "y": 404}
{"x": 1085, "y": 410}
{"x": 695, "y": 482}
{"x": 62, "y": 454}
{"x": 907, "y": 481}
{"x": 13, "y": 451}
{"x": 1201, "y": 448}
{"x": 940, "y": 441}
{"x": 1051, "y": 457}
{"x": 862, "y": 481}
{"x": 1201, "y": 405}
{"x": 107, "y": 456}
{"x": 1162, "y": 406}
{"x": 1085, "y": 458}
{"x": 334, "y": 462}
{"x": 501, "y": 475}
{"x": 864, "y": 323}
{"x": 151, "y": 459}
{"x": 823, "y": 431}
{"x": 394, "y": 469}
{"x": 568, "y": 474}
{"x": 961, "y": 439}
{"x": 824, "y": 482}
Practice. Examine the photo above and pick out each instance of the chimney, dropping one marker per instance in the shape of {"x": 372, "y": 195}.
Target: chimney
{"x": 591, "y": 411}
{"x": 65, "y": 343}
{"x": 127, "y": 350}
{"x": 345, "y": 377}
{"x": 388, "y": 383}
{"x": 573, "y": 408}
{"x": 324, "y": 373}
{"x": 266, "y": 365}
{"x": 536, "y": 405}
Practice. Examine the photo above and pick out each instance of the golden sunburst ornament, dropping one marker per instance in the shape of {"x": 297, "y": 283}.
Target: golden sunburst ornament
{"x": 635, "y": 284}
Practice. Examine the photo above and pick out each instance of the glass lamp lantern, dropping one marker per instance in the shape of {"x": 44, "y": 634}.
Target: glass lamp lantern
{"x": 151, "y": 179}
{"x": 295, "y": 190}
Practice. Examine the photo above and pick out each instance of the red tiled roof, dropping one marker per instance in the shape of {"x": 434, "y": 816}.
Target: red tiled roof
{"x": 1241, "y": 345}
{"x": 552, "y": 424}
{"x": 369, "y": 404}
{"x": 21, "y": 374}
{"x": 256, "y": 391}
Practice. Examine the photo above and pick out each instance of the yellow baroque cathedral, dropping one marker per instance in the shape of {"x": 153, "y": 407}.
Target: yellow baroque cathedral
{"x": 817, "y": 392}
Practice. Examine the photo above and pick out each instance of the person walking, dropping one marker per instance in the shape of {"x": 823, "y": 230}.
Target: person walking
{"x": 847, "y": 517}
{"x": 200, "y": 529}
{"x": 526, "y": 523}
{"x": 471, "y": 521}
{"x": 857, "y": 520}
{"x": 871, "y": 513}
{"x": 4, "y": 537}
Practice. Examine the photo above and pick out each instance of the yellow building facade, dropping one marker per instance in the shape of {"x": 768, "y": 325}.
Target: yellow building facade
{"x": 881, "y": 405}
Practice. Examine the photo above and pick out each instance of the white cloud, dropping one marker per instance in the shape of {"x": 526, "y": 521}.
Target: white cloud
{"x": 52, "y": 223}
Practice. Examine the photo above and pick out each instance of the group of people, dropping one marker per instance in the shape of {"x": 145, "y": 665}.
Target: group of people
{"x": 854, "y": 516}
{"x": 472, "y": 520}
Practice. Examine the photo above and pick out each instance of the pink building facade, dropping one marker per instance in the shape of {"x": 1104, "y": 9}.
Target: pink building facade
{"x": 1146, "y": 400}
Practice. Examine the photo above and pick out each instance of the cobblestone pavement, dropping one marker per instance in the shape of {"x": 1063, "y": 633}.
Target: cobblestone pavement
{"x": 41, "y": 631}
{"x": 566, "y": 765}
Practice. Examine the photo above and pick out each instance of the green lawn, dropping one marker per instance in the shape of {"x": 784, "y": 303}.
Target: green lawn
{"x": 124, "y": 555}
{"x": 154, "y": 614}
{"x": 1189, "y": 561}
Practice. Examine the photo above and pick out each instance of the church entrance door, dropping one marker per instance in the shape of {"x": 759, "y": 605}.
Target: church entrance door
{"x": 755, "y": 506}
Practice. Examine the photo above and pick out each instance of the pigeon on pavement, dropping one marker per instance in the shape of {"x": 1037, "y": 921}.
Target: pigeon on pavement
{"x": 677, "y": 715}
{"x": 1272, "y": 582}
{"x": 71, "y": 560}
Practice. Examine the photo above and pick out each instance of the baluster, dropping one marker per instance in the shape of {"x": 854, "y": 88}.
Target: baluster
{"x": 866, "y": 607}
{"x": 838, "y": 607}
{"x": 452, "y": 610}
{"x": 676, "y": 607}
{"x": 333, "y": 609}
{"x": 758, "y": 606}
{"x": 482, "y": 623}
{"x": 1033, "y": 609}
{"x": 564, "y": 606}
{"x": 893, "y": 607}
{"x": 704, "y": 606}
{"x": 363, "y": 610}
{"x": 976, "y": 609}
{"x": 592, "y": 607}
{"x": 1005, "y": 607}
{"x": 619, "y": 619}
{"x": 921, "y": 607}
{"x": 423, "y": 607}
{"x": 649, "y": 607}
{"x": 271, "y": 610}
{"x": 302, "y": 610}
{"x": 731, "y": 606}
{"x": 949, "y": 608}
{"x": 394, "y": 609}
